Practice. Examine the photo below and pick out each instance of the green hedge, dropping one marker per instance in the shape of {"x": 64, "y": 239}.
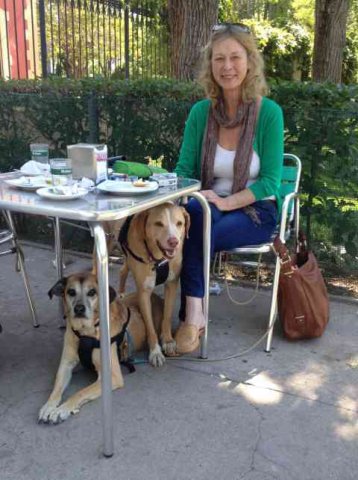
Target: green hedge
{"x": 143, "y": 118}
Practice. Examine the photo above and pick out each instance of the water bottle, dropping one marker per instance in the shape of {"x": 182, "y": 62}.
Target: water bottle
{"x": 215, "y": 289}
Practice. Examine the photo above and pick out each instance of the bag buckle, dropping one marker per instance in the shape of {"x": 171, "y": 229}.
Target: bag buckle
{"x": 286, "y": 259}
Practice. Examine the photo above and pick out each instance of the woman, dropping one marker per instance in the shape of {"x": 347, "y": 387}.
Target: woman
{"x": 233, "y": 142}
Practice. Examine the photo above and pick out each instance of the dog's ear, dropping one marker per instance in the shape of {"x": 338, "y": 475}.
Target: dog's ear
{"x": 112, "y": 294}
{"x": 58, "y": 289}
{"x": 139, "y": 223}
{"x": 187, "y": 222}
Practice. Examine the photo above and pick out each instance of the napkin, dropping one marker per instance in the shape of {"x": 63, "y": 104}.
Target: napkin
{"x": 86, "y": 183}
{"x": 35, "y": 168}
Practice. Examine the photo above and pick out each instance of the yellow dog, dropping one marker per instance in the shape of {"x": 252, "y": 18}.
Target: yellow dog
{"x": 153, "y": 240}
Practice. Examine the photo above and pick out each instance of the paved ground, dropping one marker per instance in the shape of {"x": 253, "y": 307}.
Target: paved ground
{"x": 291, "y": 414}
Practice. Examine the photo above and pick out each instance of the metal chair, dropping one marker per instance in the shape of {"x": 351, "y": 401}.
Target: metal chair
{"x": 9, "y": 236}
{"x": 288, "y": 224}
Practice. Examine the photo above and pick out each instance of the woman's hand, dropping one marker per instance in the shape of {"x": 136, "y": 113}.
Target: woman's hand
{"x": 231, "y": 202}
{"x": 222, "y": 203}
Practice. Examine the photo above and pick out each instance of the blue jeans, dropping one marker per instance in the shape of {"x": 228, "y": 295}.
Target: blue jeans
{"x": 228, "y": 230}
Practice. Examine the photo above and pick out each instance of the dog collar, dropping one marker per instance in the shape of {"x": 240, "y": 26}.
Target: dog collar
{"x": 161, "y": 266}
{"x": 123, "y": 240}
{"x": 157, "y": 262}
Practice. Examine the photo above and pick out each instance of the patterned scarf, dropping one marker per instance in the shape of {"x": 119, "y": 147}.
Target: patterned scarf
{"x": 246, "y": 120}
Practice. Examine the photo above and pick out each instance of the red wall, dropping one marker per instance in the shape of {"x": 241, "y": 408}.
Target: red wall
{"x": 17, "y": 45}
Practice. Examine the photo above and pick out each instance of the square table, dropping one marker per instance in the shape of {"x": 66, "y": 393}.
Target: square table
{"x": 96, "y": 208}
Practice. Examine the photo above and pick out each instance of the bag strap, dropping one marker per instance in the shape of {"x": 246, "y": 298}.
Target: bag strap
{"x": 280, "y": 249}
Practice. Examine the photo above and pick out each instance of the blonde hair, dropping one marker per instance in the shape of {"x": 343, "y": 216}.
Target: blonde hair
{"x": 254, "y": 83}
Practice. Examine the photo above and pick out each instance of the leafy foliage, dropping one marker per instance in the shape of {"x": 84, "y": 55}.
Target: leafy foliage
{"x": 286, "y": 51}
{"x": 322, "y": 128}
{"x": 285, "y": 30}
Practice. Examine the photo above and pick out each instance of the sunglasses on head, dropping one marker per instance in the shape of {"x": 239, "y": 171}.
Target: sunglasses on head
{"x": 238, "y": 27}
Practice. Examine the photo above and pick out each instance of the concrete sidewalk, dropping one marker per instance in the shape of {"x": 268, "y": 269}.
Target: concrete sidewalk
{"x": 290, "y": 414}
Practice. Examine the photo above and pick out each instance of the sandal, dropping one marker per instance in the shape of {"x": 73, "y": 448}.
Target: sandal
{"x": 187, "y": 338}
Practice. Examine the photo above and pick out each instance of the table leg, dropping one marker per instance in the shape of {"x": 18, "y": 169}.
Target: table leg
{"x": 59, "y": 263}
{"x": 106, "y": 378}
{"x": 206, "y": 248}
{"x": 58, "y": 247}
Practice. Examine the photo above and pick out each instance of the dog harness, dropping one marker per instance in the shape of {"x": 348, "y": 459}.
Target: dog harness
{"x": 87, "y": 344}
{"x": 161, "y": 266}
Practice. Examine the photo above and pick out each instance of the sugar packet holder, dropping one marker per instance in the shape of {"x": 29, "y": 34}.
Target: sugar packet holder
{"x": 165, "y": 179}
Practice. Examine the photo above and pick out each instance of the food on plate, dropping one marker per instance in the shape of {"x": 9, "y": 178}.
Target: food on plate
{"x": 65, "y": 189}
{"x": 140, "y": 183}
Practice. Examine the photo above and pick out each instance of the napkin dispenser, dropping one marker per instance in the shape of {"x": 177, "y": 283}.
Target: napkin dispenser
{"x": 88, "y": 160}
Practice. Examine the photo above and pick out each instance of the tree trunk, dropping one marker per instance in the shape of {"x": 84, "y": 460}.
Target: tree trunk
{"x": 190, "y": 24}
{"x": 330, "y": 37}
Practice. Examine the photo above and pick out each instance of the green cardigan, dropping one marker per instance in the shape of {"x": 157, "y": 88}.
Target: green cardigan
{"x": 268, "y": 144}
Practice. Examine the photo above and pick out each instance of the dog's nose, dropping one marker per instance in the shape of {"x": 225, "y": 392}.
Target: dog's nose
{"x": 79, "y": 309}
{"x": 173, "y": 242}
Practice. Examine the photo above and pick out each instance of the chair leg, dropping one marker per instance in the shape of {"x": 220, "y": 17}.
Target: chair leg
{"x": 273, "y": 308}
{"x": 27, "y": 290}
{"x": 22, "y": 268}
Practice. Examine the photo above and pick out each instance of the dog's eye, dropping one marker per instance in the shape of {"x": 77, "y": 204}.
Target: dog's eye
{"x": 179, "y": 223}
{"x": 71, "y": 292}
{"x": 92, "y": 292}
{"x": 159, "y": 224}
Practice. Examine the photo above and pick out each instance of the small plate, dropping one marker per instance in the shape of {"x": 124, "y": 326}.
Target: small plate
{"x": 27, "y": 183}
{"x": 126, "y": 188}
{"x": 48, "y": 193}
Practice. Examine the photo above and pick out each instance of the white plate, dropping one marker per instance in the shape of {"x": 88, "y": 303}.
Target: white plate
{"x": 48, "y": 193}
{"x": 126, "y": 188}
{"x": 27, "y": 183}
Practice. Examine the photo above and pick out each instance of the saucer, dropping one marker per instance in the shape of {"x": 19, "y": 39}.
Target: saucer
{"x": 48, "y": 193}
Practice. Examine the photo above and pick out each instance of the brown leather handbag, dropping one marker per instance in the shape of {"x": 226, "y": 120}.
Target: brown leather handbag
{"x": 303, "y": 304}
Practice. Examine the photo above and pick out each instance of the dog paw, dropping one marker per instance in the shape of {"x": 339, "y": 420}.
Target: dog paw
{"x": 156, "y": 357}
{"x": 55, "y": 415}
{"x": 46, "y": 411}
{"x": 169, "y": 348}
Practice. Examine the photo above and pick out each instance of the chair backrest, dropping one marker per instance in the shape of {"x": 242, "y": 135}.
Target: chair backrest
{"x": 291, "y": 176}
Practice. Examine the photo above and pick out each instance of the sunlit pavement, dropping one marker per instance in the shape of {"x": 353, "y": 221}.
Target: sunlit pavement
{"x": 290, "y": 414}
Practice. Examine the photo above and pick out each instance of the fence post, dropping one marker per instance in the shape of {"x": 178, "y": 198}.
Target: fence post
{"x": 126, "y": 39}
{"x": 93, "y": 121}
{"x": 43, "y": 38}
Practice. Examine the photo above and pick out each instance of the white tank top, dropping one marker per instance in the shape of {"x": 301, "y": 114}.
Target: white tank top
{"x": 224, "y": 170}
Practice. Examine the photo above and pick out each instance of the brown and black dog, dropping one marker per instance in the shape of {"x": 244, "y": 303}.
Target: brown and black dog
{"x": 151, "y": 239}
{"x": 80, "y": 300}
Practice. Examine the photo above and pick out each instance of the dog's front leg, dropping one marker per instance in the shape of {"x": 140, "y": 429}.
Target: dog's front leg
{"x": 156, "y": 357}
{"x": 123, "y": 274}
{"x": 168, "y": 342}
{"x": 69, "y": 359}
{"x": 93, "y": 391}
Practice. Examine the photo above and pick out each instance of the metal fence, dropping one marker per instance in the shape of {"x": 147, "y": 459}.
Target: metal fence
{"x": 82, "y": 38}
